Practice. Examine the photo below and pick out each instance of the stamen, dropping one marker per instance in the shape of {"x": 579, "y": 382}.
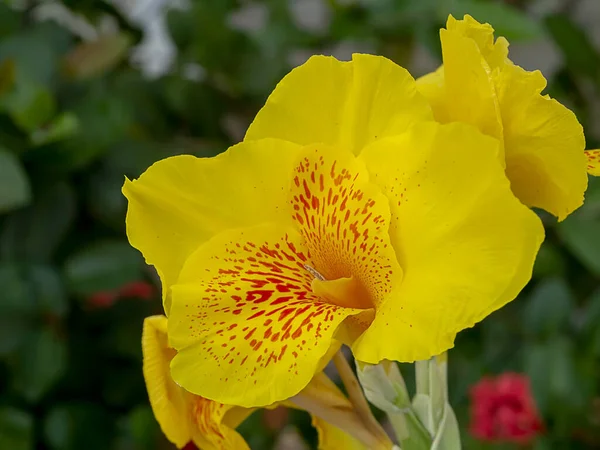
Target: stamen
{"x": 314, "y": 273}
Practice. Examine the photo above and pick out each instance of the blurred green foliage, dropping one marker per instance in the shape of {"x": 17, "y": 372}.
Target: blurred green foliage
{"x": 76, "y": 117}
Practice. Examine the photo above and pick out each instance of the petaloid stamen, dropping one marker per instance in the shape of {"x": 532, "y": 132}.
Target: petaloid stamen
{"x": 314, "y": 273}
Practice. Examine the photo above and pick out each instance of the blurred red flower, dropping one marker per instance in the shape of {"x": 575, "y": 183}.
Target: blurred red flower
{"x": 503, "y": 410}
{"x": 135, "y": 289}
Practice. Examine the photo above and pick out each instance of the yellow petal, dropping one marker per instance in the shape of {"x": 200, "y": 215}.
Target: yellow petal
{"x": 184, "y": 417}
{"x": 482, "y": 34}
{"x": 544, "y": 144}
{"x": 333, "y": 438}
{"x": 465, "y": 243}
{"x": 593, "y": 162}
{"x": 542, "y": 140}
{"x": 468, "y": 93}
{"x": 345, "y": 103}
{"x": 332, "y": 413}
{"x": 210, "y": 432}
{"x": 181, "y": 202}
{"x": 344, "y": 220}
{"x": 247, "y": 327}
{"x": 171, "y": 404}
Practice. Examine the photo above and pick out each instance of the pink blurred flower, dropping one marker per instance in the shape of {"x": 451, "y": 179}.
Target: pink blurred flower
{"x": 503, "y": 410}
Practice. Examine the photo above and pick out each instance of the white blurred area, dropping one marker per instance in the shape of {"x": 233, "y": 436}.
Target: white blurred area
{"x": 156, "y": 54}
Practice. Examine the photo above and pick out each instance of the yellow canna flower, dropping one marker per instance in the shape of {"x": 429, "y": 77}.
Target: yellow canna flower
{"x": 543, "y": 143}
{"x": 210, "y": 425}
{"x": 273, "y": 250}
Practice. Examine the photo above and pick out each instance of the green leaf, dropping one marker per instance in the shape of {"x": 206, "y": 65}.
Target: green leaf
{"x": 63, "y": 126}
{"x": 30, "y": 105}
{"x": 94, "y": 58}
{"x": 507, "y": 20}
{"x": 576, "y": 47}
{"x": 16, "y": 429}
{"x": 103, "y": 266}
{"x": 580, "y": 235}
{"x": 40, "y": 362}
{"x": 549, "y": 261}
{"x": 7, "y": 76}
{"x": 79, "y": 425}
{"x": 34, "y": 233}
{"x": 15, "y": 191}
{"x": 549, "y": 307}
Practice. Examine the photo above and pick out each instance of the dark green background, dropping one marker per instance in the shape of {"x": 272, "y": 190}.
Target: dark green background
{"x": 74, "y": 120}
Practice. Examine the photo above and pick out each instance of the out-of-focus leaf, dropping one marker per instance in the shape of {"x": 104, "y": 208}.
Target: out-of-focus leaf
{"x": 90, "y": 59}
{"x": 30, "y": 105}
{"x": 46, "y": 287}
{"x": 7, "y": 76}
{"x": 575, "y": 45}
{"x": 40, "y": 362}
{"x": 36, "y": 50}
{"x": 16, "y": 429}
{"x": 507, "y": 20}
{"x": 62, "y": 127}
{"x": 580, "y": 234}
{"x": 549, "y": 262}
{"x": 9, "y": 20}
{"x": 17, "y": 309}
{"x": 15, "y": 191}
{"x": 103, "y": 266}
{"x": 548, "y": 308}
{"x": 35, "y": 233}
{"x": 143, "y": 426}
{"x": 79, "y": 425}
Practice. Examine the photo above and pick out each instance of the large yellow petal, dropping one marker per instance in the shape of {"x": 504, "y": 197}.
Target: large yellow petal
{"x": 465, "y": 243}
{"x": 181, "y": 202}
{"x": 247, "y": 328}
{"x": 171, "y": 404}
{"x": 593, "y": 162}
{"x": 544, "y": 144}
{"x": 542, "y": 140}
{"x": 341, "y": 103}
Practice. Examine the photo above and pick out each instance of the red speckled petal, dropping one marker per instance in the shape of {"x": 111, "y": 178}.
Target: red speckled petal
{"x": 593, "y": 162}
{"x": 345, "y": 221}
{"x": 246, "y": 325}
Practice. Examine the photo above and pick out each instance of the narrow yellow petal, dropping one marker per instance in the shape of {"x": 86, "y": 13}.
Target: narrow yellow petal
{"x": 171, "y": 404}
{"x": 333, "y": 438}
{"x": 181, "y": 202}
{"x": 593, "y": 162}
{"x": 465, "y": 243}
{"x": 341, "y": 103}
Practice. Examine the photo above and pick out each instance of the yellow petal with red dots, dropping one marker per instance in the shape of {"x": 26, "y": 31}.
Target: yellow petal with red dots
{"x": 593, "y": 162}
{"x": 210, "y": 432}
{"x": 344, "y": 219}
{"x": 341, "y": 103}
{"x": 246, "y": 325}
{"x": 465, "y": 243}
{"x": 181, "y": 202}
{"x": 544, "y": 143}
{"x": 171, "y": 404}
